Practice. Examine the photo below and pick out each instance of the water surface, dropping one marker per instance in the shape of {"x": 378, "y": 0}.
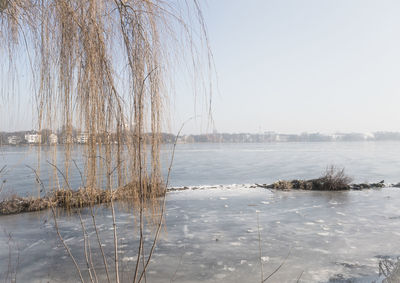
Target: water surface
{"x": 214, "y": 234}
{"x": 211, "y": 164}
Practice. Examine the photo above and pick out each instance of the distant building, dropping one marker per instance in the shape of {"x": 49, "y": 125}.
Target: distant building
{"x": 281, "y": 138}
{"x": 270, "y": 136}
{"x": 180, "y": 140}
{"x": 188, "y": 139}
{"x": 369, "y": 136}
{"x": 82, "y": 138}
{"x": 14, "y": 140}
{"x": 67, "y": 139}
{"x": 33, "y": 138}
{"x": 53, "y": 139}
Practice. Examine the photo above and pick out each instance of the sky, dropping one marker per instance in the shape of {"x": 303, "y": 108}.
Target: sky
{"x": 296, "y": 66}
{"x": 288, "y": 66}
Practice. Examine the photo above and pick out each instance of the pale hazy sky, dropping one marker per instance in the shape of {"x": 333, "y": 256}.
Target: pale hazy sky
{"x": 294, "y": 66}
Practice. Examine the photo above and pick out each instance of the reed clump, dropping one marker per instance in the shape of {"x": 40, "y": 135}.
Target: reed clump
{"x": 282, "y": 185}
{"x": 16, "y": 204}
{"x": 334, "y": 179}
{"x": 83, "y": 197}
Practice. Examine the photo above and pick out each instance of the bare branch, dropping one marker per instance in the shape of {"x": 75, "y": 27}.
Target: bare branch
{"x": 298, "y": 278}
{"x": 277, "y": 269}
{"x": 57, "y": 228}
{"x": 259, "y": 247}
{"x": 159, "y": 225}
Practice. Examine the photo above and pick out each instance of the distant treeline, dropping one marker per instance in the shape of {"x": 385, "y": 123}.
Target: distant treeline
{"x": 80, "y": 137}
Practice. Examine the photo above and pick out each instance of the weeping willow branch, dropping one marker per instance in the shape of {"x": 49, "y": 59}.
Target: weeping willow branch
{"x": 105, "y": 68}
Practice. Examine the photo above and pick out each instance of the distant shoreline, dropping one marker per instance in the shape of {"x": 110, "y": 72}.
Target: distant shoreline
{"x": 211, "y": 142}
{"x": 47, "y": 137}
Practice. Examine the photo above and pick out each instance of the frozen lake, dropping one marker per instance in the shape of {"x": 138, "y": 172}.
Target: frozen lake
{"x": 215, "y": 164}
{"x": 212, "y": 234}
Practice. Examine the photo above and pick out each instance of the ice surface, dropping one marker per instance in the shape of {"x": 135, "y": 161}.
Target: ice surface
{"x": 213, "y": 235}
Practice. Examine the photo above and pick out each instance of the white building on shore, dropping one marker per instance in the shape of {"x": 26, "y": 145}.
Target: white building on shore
{"x": 14, "y": 140}
{"x": 33, "y": 138}
{"x": 53, "y": 139}
{"x": 82, "y": 138}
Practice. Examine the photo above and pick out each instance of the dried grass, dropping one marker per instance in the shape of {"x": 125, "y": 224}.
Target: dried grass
{"x": 282, "y": 185}
{"x": 334, "y": 179}
{"x": 68, "y": 199}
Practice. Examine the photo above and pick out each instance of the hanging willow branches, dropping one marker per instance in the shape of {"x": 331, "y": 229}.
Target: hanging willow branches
{"x": 104, "y": 66}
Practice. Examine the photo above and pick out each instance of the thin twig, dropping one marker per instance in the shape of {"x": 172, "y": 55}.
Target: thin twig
{"x": 62, "y": 174}
{"x": 163, "y": 201}
{"x": 85, "y": 248}
{"x": 97, "y": 233}
{"x": 65, "y": 245}
{"x": 2, "y": 168}
{"x": 17, "y": 265}
{"x": 100, "y": 244}
{"x": 57, "y": 228}
{"x": 259, "y": 247}
{"x": 115, "y": 241}
{"x": 173, "y": 278}
{"x": 81, "y": 221}
{"x": 89, "y": 264}
{"x": 277, "y": 269}
{"x": 91, "y": 260}
{"x": 109, "y": 187}
{"x": 2, "y": 186}
{"x": 140, "y": 186}
{"x": 38, "y": 180}
{"x": 298, "y": 278}
{"x": 80, "y": 172}
{"x": 9, "y": 271}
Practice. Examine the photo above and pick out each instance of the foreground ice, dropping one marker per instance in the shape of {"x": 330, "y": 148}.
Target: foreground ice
{"x": 214, "y": 234}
